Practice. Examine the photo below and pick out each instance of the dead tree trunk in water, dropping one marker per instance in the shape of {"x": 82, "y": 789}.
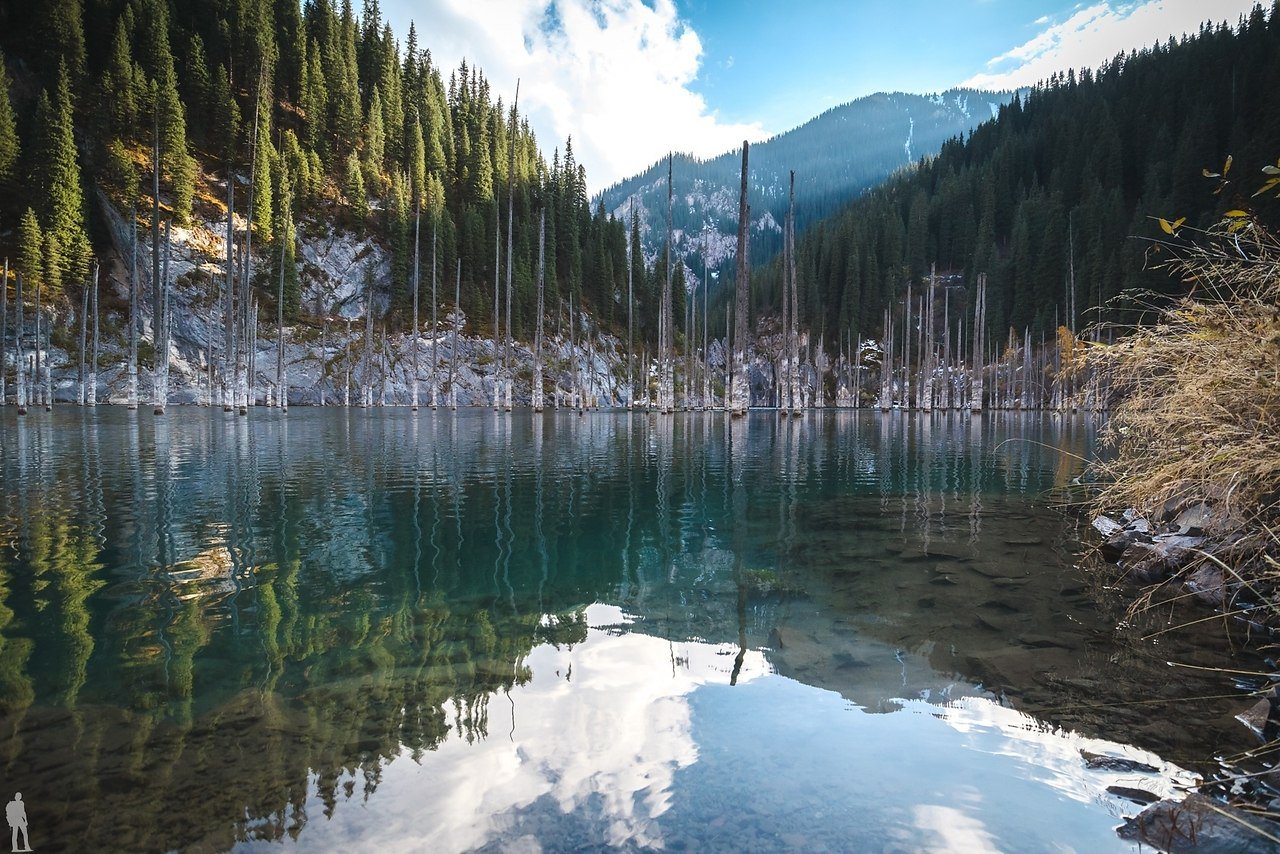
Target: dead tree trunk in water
{"x": 282, "y": 381}
{"x": 979, "y": 344}
{"x": 666, "y": 367}
{"x": 159, "y": 324}
{"x": 435, "y": 326}
{"x": 417, "y": 227}
{"x": 457, "y": 321}
{"x": 92, "y": 399}
{"x": 740, "y": 398}
{"x": 794, "y": 330}
{"x": 228, "y": 307}
{"x": 536, "y": 392}
{"x": 84, "y": 343}
{"x": 4, "y": 327}
{"x": 20, "y": 381}
{"x": 508, "y": 377}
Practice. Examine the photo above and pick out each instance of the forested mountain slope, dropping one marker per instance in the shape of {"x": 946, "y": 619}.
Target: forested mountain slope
{"x": 836, "y": 156}
{"x": 1058, "y": 190}
{"x": 322, "y": 116}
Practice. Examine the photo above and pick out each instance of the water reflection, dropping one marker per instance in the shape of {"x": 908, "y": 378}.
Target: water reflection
{"x": 220, "y": 630}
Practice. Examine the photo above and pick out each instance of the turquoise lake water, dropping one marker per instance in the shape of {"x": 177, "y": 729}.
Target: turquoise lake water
{"x": 387, "y": 631}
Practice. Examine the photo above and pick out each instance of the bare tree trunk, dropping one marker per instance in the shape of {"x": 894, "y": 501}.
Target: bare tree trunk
{"x": 20, "y": 381}
{"x": 497, "y": 315}
{"x": 979, "y": 344}
{"x": 282, "y": 387}
{"x": 666, "y": 368}
{"x": 706, "y": 317}
{"x": 84, "y": 343}
{"x": 792, "y": 333}
{"x": 508, "y": 373}
{"x": 927, "y": 352}
{"x": 159, "y": 323}
{"x": 435, "y": 326}
{"x": 324, "y": 349}
{"x": 366, "y": 396}
{"x": 457, "y": 321}
{"x": 346, "y": 387}
{"x": 92, "y": 390}
{"x": 245, "y": 373}
{"x": 228, "y": 307}
{"x": 631, "y": 351}
{"x": 536, "y": 392}
{"x": 413, "y": 340}
{"x": 741, "y": 392}
{"x": 4, "y": 327}
{"x": 37, "y": 389}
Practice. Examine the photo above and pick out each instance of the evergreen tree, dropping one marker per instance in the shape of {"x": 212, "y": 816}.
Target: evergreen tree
{"x": 374, "y": 146}
{"x": 9, "y": 148}
{"x": 118, "y": 93}
{"x": 263, "y": 168}
{"x": 59, "y": 37}
{"x": 31, "y": 248}
{"x": 56, "y": 179}
{"x": 353, "y": 187}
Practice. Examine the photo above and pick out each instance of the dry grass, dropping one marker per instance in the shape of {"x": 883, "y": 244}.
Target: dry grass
{"x": 1195, "y": 401}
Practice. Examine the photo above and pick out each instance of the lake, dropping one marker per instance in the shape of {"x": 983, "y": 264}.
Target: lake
{"x": 396, "y": 631}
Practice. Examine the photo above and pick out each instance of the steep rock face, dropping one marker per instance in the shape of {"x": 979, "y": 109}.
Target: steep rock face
{"x": 322, "y": 363}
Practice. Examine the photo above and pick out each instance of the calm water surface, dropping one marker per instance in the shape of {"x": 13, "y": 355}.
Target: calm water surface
{"x": 380, "y": 631}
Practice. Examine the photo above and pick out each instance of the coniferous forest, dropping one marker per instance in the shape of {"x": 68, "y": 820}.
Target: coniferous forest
{"x": 1062, "y": 187}
{"x": 320, "y": 112}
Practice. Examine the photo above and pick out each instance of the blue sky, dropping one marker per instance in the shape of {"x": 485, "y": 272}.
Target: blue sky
{"x": 631, "y": 79}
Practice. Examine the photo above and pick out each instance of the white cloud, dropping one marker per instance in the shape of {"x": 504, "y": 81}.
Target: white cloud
{"x": 1096, "y": 33}
{"x": 613, "y": 74}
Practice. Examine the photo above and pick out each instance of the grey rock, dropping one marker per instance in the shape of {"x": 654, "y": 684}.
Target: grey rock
{"x": 1200, "y": 825}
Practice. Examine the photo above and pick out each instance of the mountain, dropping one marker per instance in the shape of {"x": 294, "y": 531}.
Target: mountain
{"x": 836, "y": 156}
{"x": 1064, "y": 187}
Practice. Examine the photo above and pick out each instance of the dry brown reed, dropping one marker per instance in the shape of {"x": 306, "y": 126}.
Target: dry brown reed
{"x": 1195, "y": 401}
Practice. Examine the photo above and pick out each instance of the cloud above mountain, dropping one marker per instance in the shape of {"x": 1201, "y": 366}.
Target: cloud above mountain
{"x": 615, "y": 75}
{"x": 1093, "y": 34}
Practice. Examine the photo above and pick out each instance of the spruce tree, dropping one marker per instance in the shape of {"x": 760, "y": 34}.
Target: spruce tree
{"x": 264, "y": 165}
{"x": 374, "y": 146}
{"x": 9, "y": 149}
{"x": 118, "y": 94}
{"x": 353, "y": 187}
{"x": 60, "y": 37}
{"x": 56, "y": 178}
{"x": 31, "y": 249}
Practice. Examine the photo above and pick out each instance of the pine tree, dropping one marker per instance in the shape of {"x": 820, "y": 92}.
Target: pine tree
{"x": 118, "y": 93}
{"x": 416, "y": 159}
{"x": 31, "y": 249}
{"x": 265, "y": 165}
{"x": 374, "y": 152}
{"x": 9, "y": 149}
{"x": 224, "y": 115}
{"x": 313, "y": 99}
{"x": 60, "y": 37}
{"x": 353, "y": 187}
{"x": 57, "y": 177}
{"x": 197, "y": 85}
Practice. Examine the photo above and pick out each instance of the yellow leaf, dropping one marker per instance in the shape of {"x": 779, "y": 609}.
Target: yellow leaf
{"x": 1164, "y": 224}
{"x": 1177, "y": 223}
{"x": 1235, "y": 214}
{"x": 1226, "y": 167}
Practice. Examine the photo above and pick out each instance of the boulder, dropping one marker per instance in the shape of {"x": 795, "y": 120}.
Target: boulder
{"x": 1200, "y": 825}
